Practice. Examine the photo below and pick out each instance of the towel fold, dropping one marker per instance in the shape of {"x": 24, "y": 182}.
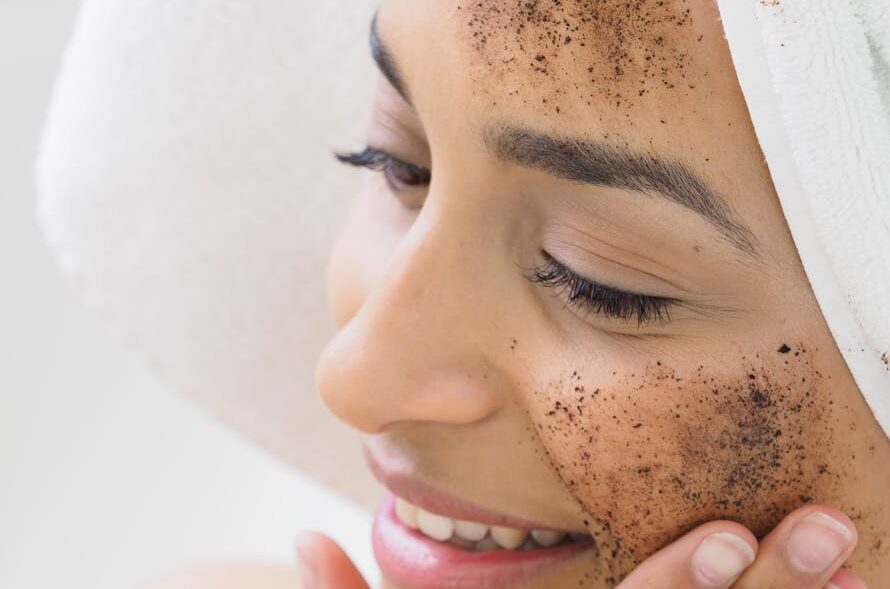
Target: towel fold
{"x": 816, "y": 78}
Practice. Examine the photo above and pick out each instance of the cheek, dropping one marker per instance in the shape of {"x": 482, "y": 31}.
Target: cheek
{"x": 652, "y": 456}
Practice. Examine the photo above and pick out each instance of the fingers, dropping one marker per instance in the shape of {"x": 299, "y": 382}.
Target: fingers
{"x": 324, "y": 565}
{"x": 845, "y": 580}
{"x": 710, "y": 557}
{"x": 804, "y": 551}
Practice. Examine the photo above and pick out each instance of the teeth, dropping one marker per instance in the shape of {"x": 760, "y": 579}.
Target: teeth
{"x": 435, "y": 526}
{"x": 470, "y": 530}
{"x": 486, "y": 545}
{"x": 509, "y": 538}
{"x": 475, "y": 536}
{"x": 461, "y": 543}
{"x": 407, "y": 513}
{"x": 548, "y": 538}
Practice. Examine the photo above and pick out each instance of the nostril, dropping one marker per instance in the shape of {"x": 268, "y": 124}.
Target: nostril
{"x": 372, "y": 384}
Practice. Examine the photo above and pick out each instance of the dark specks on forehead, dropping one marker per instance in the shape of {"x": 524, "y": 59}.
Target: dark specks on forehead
{"x": 618, "y": 50}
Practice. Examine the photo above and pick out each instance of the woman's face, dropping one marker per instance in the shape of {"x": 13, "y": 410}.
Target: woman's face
{"x": 569, "y": 295}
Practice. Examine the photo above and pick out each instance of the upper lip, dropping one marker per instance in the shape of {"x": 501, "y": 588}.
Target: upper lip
{"x": 402, "y": 484}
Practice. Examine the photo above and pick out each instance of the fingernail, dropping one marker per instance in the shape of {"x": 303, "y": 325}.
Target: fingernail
{"x": 720, "y": 559}
{"x": 816, "y": 542}
{"x": 831, "y": 585}
{"x": 305, "y": 564}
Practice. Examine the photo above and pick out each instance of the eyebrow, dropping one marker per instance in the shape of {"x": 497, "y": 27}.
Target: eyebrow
{"x": 597, "y": 163}
{"x": 385, "y": 62}
{"x": 600, "y": 164}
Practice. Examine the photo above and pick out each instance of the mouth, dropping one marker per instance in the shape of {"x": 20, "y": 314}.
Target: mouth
{"x": 424, "y": 539}
{"x": 473, "y": 536}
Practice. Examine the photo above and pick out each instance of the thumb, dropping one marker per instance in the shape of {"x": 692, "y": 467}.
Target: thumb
{"x": 711, "y": 556}
{"x": 324, "y": 565}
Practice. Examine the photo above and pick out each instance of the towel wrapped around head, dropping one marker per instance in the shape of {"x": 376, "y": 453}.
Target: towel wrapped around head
{"x": 169, "y": 119}
{"x": 192, "y": 200}
{"x": 816, "y": 78}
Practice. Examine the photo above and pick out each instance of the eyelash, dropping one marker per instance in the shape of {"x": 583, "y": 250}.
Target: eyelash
{"x": 391, "y": 166}
{"x": 582, "y": 293}
{"x": 602, "y": 300}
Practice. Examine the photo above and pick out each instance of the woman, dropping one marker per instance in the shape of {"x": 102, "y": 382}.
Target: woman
{"x": 569, "y": 302}
{"x": 574, "y": 326}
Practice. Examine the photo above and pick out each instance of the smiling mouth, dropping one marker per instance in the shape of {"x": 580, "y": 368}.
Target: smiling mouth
{"x": 425, "y": 538}
{"x": 428, "y": 553}
{"x": 478, "y": 536}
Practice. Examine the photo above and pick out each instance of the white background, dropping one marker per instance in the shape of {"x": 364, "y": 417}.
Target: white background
{"x": 108, "y": 477}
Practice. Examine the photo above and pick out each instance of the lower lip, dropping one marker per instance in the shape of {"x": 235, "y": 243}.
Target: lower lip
{"x": 413, "y": 561}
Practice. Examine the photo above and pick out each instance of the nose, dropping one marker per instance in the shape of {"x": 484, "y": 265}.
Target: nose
{"x": 419, "y": 348}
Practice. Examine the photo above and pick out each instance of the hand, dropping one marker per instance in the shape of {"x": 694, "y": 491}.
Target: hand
{"x": 324, "y": 565}
{"x": 805, "y": 551}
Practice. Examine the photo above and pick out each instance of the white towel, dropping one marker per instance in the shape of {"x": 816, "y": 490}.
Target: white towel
{"x": 187, "y": 187}
{"x": 191, "y": 197}
{"x": 816, "y": 78}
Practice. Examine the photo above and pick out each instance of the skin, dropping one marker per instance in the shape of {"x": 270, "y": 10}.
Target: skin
{"x": 738, "y": 409}
{"x": 450, "y": 358}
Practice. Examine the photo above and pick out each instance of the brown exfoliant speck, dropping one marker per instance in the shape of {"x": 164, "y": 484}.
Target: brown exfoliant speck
{"x": 612, "y": 49}
{"x": 656, "y": 455}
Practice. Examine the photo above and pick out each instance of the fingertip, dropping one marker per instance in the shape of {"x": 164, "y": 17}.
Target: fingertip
{"x": 722, "y": 556}
{"x": 728, "y": 527}
{"x": 710, "y": 556}
{"x": 817, "y": 539}
{"x": 844, "y": 579}
{"x": 835, "y": 514}
{"x": 317, "y": 554}
{"x": 307, "y": 548}
{"x": 306, "y": 539}
{"x": 319, "y": 543}
{"x": 324, "y": 564}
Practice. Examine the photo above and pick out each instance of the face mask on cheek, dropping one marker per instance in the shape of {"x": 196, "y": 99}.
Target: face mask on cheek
{"x": 652, "y": 455}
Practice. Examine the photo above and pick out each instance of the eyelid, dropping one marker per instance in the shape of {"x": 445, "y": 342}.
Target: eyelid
{"x": 408, "y": 182}
{"x": 375, "y": 159}
{"x": 369, "y": 157}
{"x": 396, "y": 129}
{"x": 600, "y": 299}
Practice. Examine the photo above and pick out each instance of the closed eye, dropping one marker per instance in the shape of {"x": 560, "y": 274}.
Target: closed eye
{"x": 592, "y": 297}
{"x": 400, "y": 175}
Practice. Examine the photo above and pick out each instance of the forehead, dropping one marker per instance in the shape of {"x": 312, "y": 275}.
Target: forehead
{"x": 638, "y": 72}
{"x": 654, "y": 76}
{"x": 591, "y": 50}
{"x": 567, "y": 55}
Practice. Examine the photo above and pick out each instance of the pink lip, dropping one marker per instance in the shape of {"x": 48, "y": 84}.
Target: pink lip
{"x": 399, "y": 481}
{"x": 413, "y": 561}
